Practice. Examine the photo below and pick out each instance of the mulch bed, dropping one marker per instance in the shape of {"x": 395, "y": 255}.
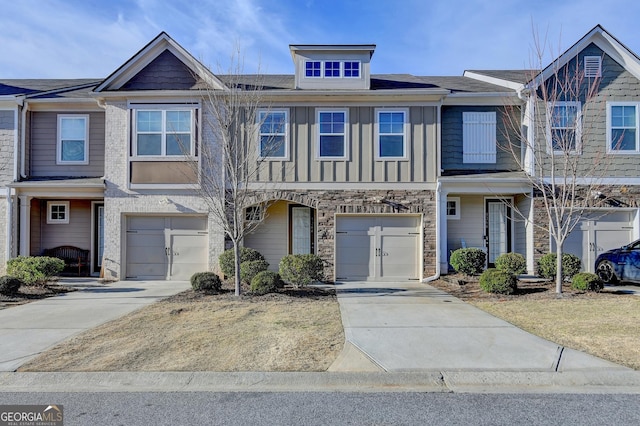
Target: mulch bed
{"x": 30, "y": 293}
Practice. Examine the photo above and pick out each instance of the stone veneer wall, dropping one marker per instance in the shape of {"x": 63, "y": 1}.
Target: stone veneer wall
{"x": 328, "y": 203}
{"x": 626, "y": 195}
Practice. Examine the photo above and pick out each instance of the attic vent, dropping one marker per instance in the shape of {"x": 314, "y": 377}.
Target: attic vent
{"x": 592, "y": 66}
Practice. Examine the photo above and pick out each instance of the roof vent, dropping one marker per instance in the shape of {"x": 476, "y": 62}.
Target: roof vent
{"x": 592, "y": 66}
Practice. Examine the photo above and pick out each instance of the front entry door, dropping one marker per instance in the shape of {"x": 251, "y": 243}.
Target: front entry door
{"x": 498, "y": 229}
{"x": 301, "y": 230}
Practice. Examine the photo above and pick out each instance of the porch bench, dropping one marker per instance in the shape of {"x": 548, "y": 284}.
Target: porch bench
{"x": 72, "y": 256}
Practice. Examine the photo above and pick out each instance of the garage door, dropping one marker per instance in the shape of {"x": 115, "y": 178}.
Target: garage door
{"x": 385, "y": 248}
{"x": 166, "y": 248}
{"x": 597, "y": 233}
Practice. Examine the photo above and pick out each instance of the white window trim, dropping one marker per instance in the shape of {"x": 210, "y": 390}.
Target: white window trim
{"x": 578, "y": 129}
{"x": 405, "y": 135}
{"x": 59, "y": 159}
{"x": 455, "y": 200}
{"x": 285, "y": 157}
{"x": 588, "y": 64}
{"x": 608, "y": 138}
{"x": 345, "y": 134}
{"x": 50, "y": 205}
{"x": 135, "y": 108}
{"x": 340, "y": 69}
{"x": 351, "y": 76}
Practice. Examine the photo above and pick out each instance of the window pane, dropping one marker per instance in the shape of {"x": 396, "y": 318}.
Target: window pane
{"x": 391, "y": 146}
{"x": 178, "y": 121}
{"x": 312, "y": 69}
{"x": 73, "y": 128}
{"x": 331, "y": 69}
{"x": 272, "y": 146}
{"x": 72, "y": 150}
{"x": 149, "y": 121}
{"x": 623, "y": 139}
{"x": 178, "y": 144}
{"x": 273, "y": 123}
{"x": 149, "y": 144}
{"x": 332, "y": 146}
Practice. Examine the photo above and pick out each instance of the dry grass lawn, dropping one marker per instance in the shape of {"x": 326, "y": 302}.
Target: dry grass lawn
{"x": 293, "y": 331}
{"x": 604, "y": 324}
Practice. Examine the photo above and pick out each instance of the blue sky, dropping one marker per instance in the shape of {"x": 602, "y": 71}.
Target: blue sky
{"x": 91, "y": 38}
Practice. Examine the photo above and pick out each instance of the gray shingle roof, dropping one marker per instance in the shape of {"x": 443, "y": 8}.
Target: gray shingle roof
{"x": 33, "y": 86}
{"x": 516, "y": 76}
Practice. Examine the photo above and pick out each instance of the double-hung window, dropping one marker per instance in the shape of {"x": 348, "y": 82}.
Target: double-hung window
{"x": 73, "y": 139}
{"x": 622, "y": 127}
{"x": 332, "y": 134}
{"x": 391, "y": 134}
{"x": 565, "y": 127}
{"x": 164, "y": 132}
{"x": 273, "y": 134}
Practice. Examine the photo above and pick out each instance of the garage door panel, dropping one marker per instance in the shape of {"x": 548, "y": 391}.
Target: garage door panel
{"x": 189, "y": 223}
{"x": 346, "y": 224}
{"x": 141, "y": 223}
{"x": 146, "y": 270}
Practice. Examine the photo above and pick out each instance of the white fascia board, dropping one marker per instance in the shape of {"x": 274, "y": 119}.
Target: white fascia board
{"x": 600, "y": 181}
{"x": 473, "y": 185}
{"x": 505, "y": 98}
{"x": 493, "y": 80}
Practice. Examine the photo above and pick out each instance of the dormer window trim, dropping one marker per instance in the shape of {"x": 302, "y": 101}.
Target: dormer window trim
{"x": 333, "y": 69}
{"x": 313, "y": 69}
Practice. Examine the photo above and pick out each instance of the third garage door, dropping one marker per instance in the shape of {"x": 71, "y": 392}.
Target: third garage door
{"x": 378, "y": 247}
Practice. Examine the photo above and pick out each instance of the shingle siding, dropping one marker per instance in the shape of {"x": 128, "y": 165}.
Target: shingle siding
{"x": 166, "y": 72}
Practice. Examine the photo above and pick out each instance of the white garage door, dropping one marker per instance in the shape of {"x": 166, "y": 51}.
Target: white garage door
{"x": 166, "y": 248}
{"x": 597, "y": 233}
{"x": 385, "y": 248}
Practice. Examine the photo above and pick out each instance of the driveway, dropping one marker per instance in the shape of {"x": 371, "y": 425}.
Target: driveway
{"x": 413, "y": 326}
{"x": 27, "y": 330}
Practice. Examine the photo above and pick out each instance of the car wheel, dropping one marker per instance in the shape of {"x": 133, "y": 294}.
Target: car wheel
{"x": 606, "y": 273}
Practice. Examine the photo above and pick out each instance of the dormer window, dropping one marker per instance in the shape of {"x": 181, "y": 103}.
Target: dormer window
{"x": 313, "y": 69}
{"x": 352, "y": 69}
{"x": 332, "y": 69}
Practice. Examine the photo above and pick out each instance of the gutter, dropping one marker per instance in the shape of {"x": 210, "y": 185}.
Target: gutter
{"x": 437, "y": 274}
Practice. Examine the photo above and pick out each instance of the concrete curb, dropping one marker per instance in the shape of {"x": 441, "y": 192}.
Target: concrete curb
{"x": 601, "y": 382}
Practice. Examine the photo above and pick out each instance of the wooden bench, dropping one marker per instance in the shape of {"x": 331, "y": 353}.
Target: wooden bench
{"x": 72, "y": 256}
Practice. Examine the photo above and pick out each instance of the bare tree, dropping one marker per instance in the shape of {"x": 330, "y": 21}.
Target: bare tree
{"x": 238, "y": 134}
{"x": 551, "y": 137}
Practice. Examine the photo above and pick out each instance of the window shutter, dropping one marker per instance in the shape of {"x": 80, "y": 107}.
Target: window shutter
{"x": 479, "y": 137}
{"x": 592, "y": 66}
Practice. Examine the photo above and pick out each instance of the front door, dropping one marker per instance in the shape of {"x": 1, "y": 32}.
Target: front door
{"x": 301, "y": 230}
{"x": 498, "y": 229}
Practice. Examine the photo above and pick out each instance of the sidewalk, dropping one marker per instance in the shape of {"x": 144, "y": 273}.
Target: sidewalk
{"x": 29, "y": 329}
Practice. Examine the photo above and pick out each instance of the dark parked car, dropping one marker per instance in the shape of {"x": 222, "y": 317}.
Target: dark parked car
{"x": 621, "y": 264}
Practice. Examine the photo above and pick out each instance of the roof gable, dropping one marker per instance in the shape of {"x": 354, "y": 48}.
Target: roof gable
{"x": 160, "y": 59}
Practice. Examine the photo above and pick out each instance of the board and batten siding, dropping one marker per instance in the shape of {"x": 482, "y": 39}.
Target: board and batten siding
{"x": 361, "y": 164}
{"x": 43, "y": 144}
{"x": 76, "y": 233}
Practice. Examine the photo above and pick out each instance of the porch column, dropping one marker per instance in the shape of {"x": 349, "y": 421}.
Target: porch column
{"x": 442, "y": 212}
{"x": 25, "y": 225}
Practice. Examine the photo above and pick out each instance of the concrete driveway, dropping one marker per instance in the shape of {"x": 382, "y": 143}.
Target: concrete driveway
{"x": 413, "y": 326}
{"x": 27, "y": 330}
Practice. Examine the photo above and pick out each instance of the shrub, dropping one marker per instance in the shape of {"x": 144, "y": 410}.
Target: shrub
{"x": 301, "y": 269}
{"x": 34, "y": 270}
{"x": 570, "y": 265}
{"x": 586, "y": 281}
{"x": 9, "y": 285}
{"x": 266, "y": 282}
{"x": 513, "y": 263}
{"x": 497, "y": 281}
{"x": 206, "y": 281}
{"x": 250, "y": 269}
{"x": 227, "y": 260}
{"x": 468, "y": 261}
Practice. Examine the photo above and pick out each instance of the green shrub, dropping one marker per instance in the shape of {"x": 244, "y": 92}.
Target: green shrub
{"x": 227, "y": 260}
{"x": 301, "y": 269}
{"x": 570, "y": 265}
{"x": 250, "y": 269}
{"x": 206, "y": 281}
{"x": 586, "y": 281}
{"x": 496, "y": 281}
{"x": 513, "y": 263}
{"x": 34, "y": 270}
{"x": 9, "y": 285}
{"x": 266, "y": 282}
{"x": 468, "y": 261}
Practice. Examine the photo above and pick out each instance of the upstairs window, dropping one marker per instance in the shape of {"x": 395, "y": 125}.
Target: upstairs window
{"x": 332, "y": 69}
{"x": 312, "y": 69}
{"x": 592, "y": 66}
{"x": 622, "y": 127}
{"x": 565, "y": 125}
{"x": 161, "y": 132}
{"x": 73, "y": 139}
{"x": 332, "y": 134}
{"x": 479, "y": 137}
{"x": 352, "y": 69}
{"x": 273, "y": 134}
{"x": 391, "y": 129}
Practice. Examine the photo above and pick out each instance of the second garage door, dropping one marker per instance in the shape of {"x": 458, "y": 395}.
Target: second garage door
{"x": 166, "y": 248}
{"x": 385, "y": 248}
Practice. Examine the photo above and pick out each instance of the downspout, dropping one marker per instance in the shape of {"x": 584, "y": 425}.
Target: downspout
{"x": 437, "y": 274}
